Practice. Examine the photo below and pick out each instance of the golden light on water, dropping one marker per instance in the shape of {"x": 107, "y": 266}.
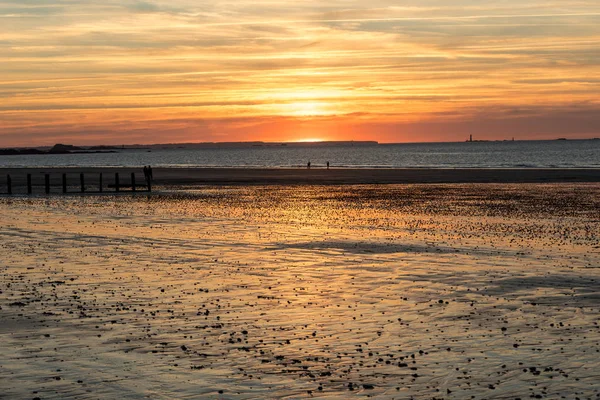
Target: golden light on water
{"x": 245, "y": 286}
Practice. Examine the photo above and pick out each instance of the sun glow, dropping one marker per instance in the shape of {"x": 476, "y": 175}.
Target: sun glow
{"x": 308, "y": 140}
{"x": 306, "y": 109}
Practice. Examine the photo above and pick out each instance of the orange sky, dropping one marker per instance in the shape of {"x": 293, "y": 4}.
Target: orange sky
{"x": 124, "y": 72}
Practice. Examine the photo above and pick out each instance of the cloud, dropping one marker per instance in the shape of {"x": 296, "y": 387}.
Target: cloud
{"x": 105, "y": 66}
{"x": 143, "y": 6}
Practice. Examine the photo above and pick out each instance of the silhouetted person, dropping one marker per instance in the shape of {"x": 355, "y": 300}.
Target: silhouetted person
{"x": 327, "y": 164}
{"x": 146, "y": 173}
{"x": 150, "y": 173}
{"x": 308, "y": 165}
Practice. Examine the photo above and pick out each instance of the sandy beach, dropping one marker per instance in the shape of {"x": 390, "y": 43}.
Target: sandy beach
{"x": 446, "y": 291}
{"x": 189, "y": 177}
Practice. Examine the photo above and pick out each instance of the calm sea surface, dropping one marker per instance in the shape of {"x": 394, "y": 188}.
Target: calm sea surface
{"x": 519, "y": 154}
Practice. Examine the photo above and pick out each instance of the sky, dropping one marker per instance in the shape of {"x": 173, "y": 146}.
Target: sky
{"x": 156, "y": 71}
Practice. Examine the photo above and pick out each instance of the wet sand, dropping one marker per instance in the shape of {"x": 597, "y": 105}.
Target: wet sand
{"x": 188, "y": 177}
{"x": 250, "y": 292}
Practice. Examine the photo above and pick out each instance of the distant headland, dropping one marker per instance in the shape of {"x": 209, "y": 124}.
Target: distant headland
{"x": 72, "y": 149}
{"x": 56, "y": 149}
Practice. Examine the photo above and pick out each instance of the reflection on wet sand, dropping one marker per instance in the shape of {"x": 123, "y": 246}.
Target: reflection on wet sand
{"x": 446, "y": 291}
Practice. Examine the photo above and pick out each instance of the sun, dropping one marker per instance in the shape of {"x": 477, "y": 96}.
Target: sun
{"x": 309, "y": 140}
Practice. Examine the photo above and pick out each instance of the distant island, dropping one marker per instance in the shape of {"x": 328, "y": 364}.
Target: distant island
{"x": 56, "y": 149}
{"x": 60, "y": 148}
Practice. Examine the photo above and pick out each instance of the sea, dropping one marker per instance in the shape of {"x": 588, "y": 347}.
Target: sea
{"x": 501, "y": 154}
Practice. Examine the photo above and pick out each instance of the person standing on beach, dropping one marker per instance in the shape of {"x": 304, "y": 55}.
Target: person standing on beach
{"x": 146, "y": 173}
{"x": 327, "y": 164}
{"x": 308, "y": 165}
{"x": 150, "y": 173}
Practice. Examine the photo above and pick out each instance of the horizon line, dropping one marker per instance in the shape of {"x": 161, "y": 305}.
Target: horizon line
{"x": 296, "y": 142}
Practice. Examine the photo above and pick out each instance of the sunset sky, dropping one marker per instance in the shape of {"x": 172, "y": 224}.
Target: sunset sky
{"x": 122, "y": 72}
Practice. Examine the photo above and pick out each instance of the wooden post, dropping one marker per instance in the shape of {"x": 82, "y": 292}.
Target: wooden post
{"x": 116, "y": 181}
{"x": 47, "y": 179}
{"x": 64, "y": 179}
{"x": 82, "y": 183}
{"x": 29, "y": 184}
{"x": 9, "y": 184}
{"x": 100, "y": 183}
{"x": 133, "y": 181}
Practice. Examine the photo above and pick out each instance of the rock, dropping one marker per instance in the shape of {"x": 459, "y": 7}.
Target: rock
{"x": 368, "y": 386}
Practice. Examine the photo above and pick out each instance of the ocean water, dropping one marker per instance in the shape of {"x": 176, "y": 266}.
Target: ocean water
{"x": 518, "y": 154}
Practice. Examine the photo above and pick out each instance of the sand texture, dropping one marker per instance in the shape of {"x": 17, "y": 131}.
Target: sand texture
{"x": 251, "y": 292}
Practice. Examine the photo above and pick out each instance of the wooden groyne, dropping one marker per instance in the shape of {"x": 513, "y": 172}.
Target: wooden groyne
{"x": 72, "y": 183}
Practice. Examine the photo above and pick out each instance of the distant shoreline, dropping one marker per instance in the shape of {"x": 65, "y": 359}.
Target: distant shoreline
{"x": 73, "y": 149}
{"x": 186, "y": 177}
{"x": 66, "y": 149}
